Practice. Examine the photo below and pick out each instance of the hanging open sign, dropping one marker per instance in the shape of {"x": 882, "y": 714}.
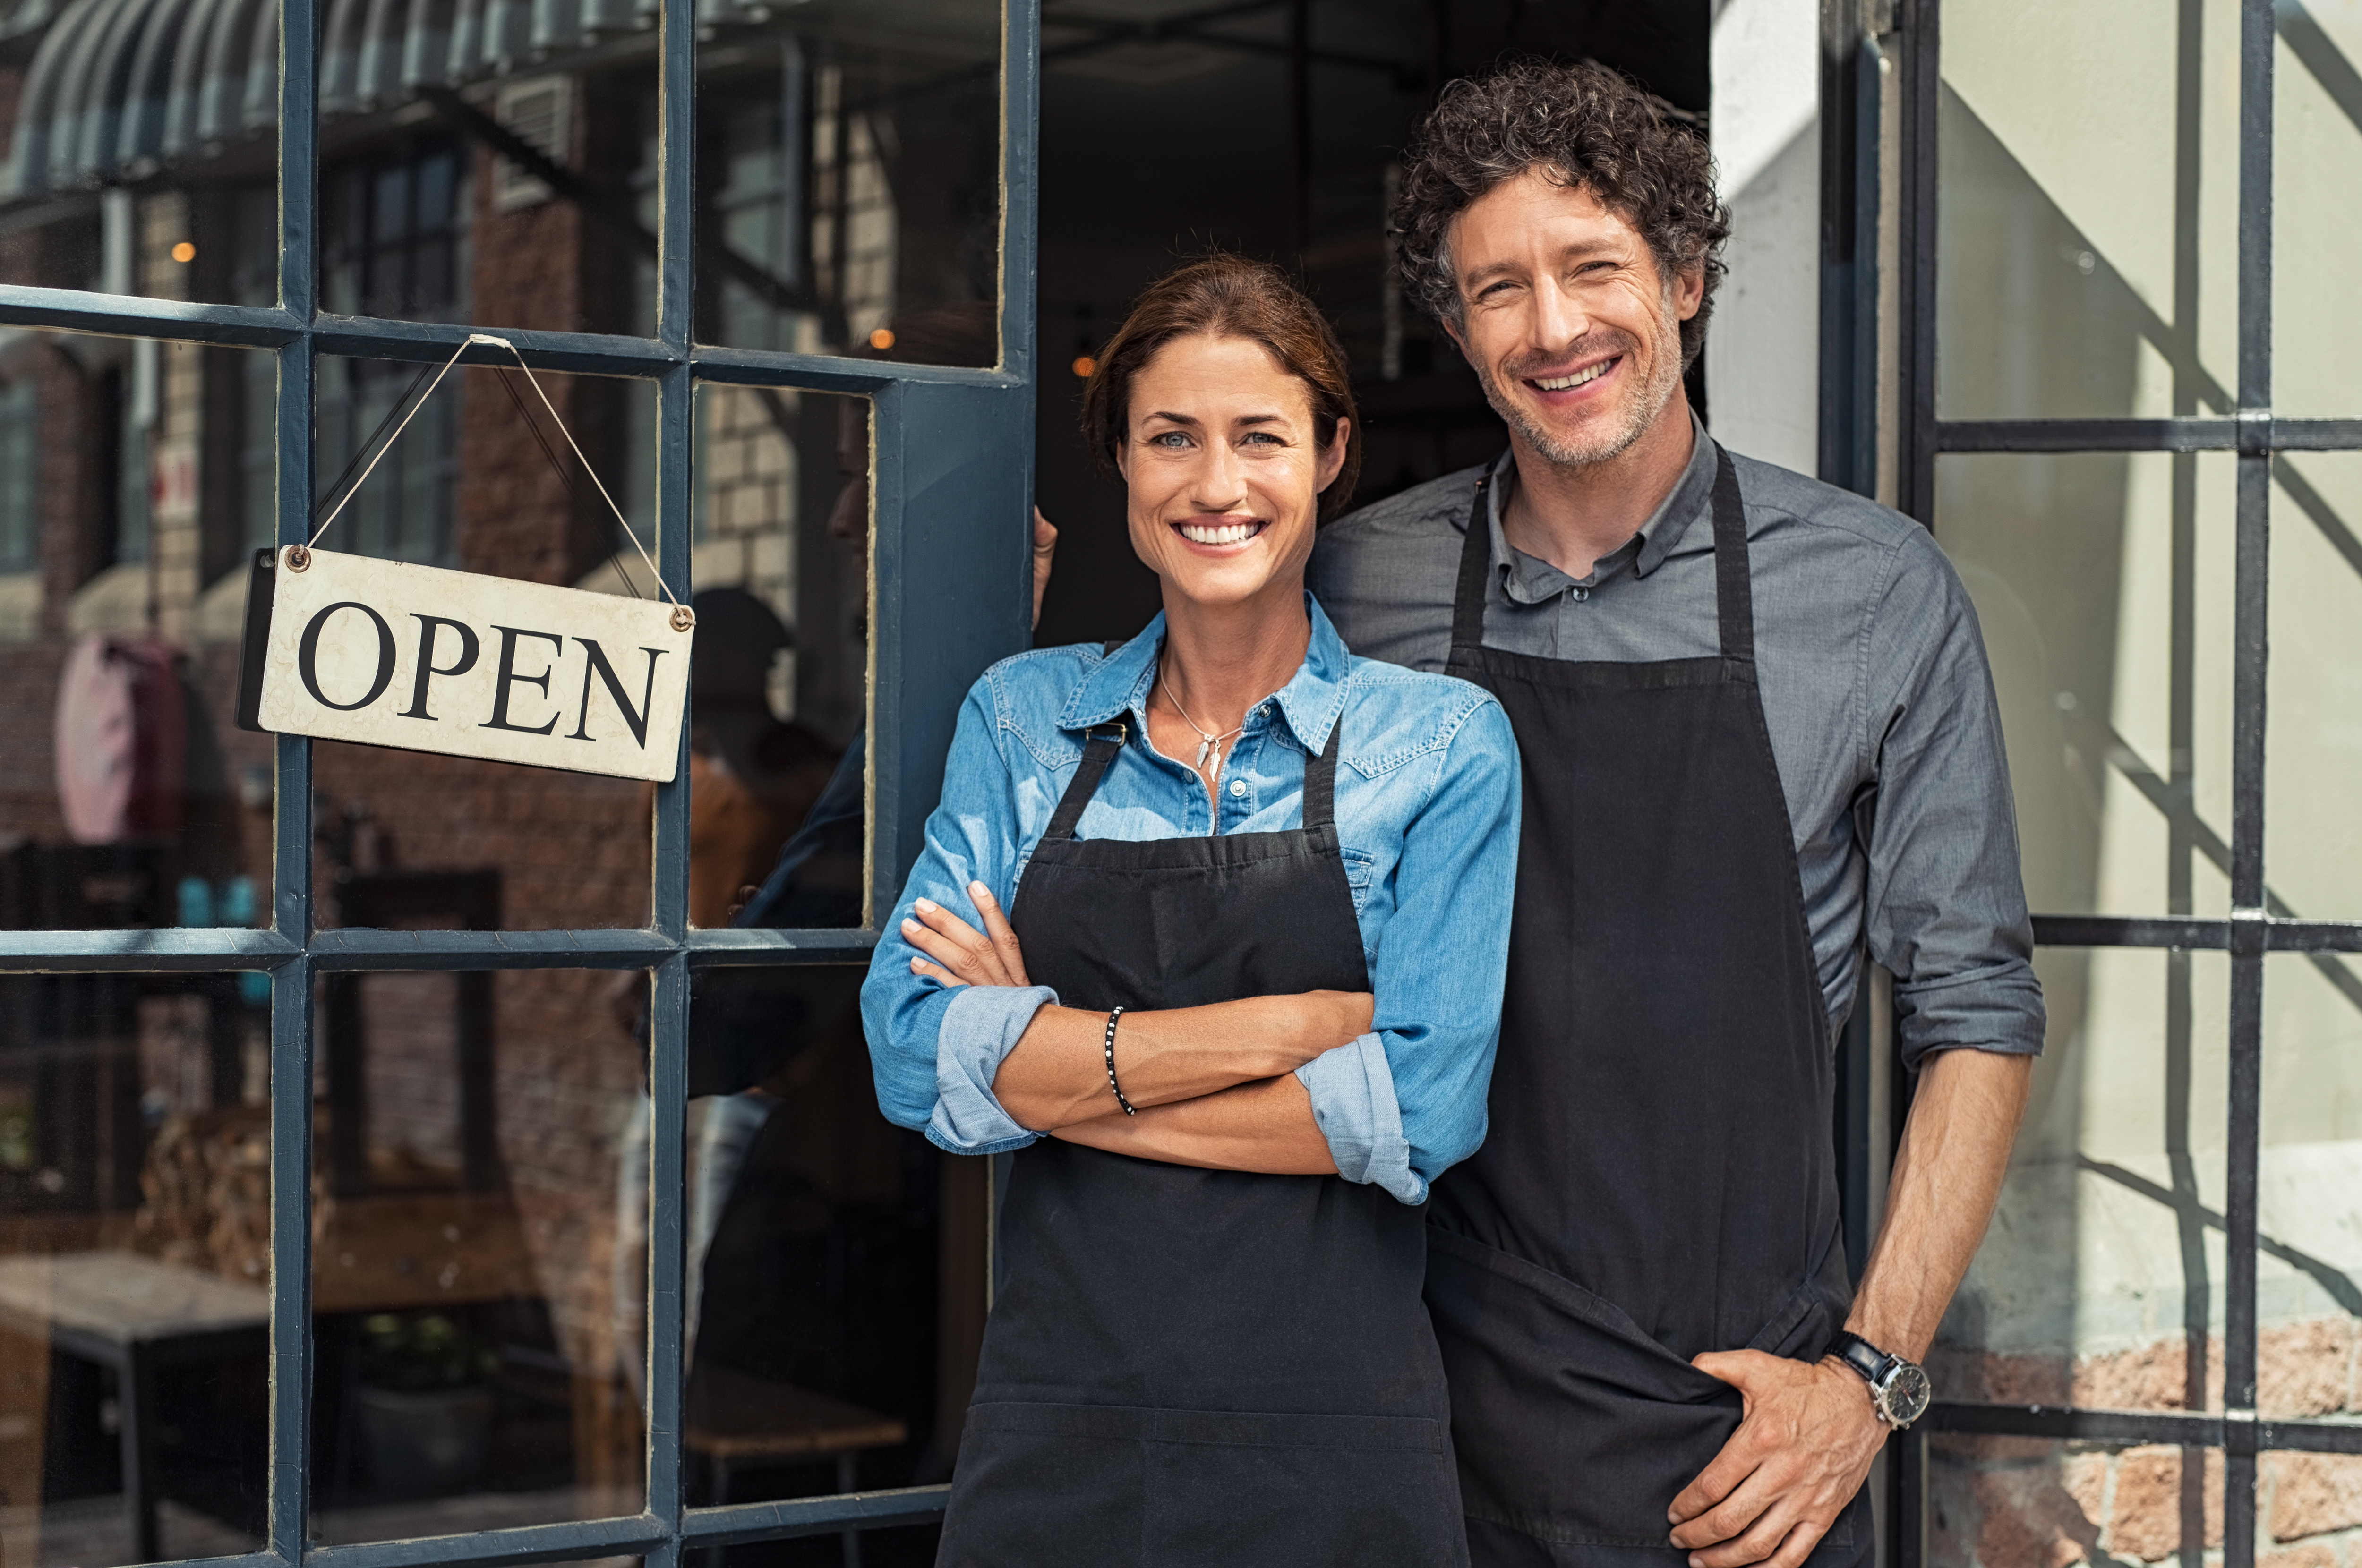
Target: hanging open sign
{"x": 347, "y": 648}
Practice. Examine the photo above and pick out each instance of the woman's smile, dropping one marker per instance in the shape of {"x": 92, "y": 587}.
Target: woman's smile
{"x": 1220, "y": 534}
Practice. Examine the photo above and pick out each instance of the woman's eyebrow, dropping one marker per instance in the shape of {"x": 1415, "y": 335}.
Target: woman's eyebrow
{"x": 1172, "y": 418}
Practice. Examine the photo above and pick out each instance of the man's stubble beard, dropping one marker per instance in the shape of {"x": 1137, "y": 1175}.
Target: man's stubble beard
{"x": 1640, "y": 411}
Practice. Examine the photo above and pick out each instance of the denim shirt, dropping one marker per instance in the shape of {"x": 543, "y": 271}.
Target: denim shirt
{"x": 1426, "y": 815}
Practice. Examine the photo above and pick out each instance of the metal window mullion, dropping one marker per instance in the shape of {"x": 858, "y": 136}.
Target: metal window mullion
{"x": 2257, "y": 40}
{"x": 291, "y": 1014}
{"x": 1923, "y": 70}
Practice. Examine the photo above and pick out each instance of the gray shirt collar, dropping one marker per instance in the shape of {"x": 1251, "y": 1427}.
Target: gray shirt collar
{"x": 1529, "y": 579}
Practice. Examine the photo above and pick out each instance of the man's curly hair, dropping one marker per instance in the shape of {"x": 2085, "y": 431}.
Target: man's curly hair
{"x": 1583, "y": 125}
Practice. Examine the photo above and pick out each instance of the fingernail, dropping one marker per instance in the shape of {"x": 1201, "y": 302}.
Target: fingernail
{"x": 978, "y": 890}
{"x": 910, "y": 925}
{"x": 926, "y": 904}
{"x": 917, "y": 967}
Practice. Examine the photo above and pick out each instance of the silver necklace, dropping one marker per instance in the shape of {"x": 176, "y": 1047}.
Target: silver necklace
{"x": 1206, "y": 741}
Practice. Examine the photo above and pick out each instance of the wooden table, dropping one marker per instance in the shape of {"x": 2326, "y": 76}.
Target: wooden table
{"x": 135, "y": 1314}
{"x": 735, "y": 1418}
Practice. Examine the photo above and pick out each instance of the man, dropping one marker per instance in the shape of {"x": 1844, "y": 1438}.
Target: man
{"x": 1758, "y": 733}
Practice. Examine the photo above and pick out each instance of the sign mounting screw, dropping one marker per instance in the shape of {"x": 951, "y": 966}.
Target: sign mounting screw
{"x": 683, "y": 617}
{"x": 298, "y": 557}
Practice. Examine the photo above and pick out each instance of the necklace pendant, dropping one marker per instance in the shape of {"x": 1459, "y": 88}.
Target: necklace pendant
{"x": 1203, "y": 747}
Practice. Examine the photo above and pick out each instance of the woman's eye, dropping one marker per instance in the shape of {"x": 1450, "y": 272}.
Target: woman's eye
{"x": 1168, "y": 438}
{"x": 1264, "y": 437}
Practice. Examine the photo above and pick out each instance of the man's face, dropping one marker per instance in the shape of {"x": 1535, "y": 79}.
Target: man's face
{"x": 1571, "y": 327}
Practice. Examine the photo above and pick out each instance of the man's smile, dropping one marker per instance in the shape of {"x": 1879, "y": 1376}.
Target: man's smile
{"x": 1572, "y": 381}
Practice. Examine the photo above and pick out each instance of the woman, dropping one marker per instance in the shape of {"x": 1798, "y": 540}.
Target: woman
{"x": 1242, "y": 1009}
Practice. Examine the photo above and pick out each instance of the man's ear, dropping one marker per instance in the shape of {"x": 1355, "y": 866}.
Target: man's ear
{"x": 1689, "y": 291}
{"x": 1452, "y": 330}
{"x": 1333, "y": 461}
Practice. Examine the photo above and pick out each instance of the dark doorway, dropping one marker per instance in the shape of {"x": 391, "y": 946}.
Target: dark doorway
{"x": 1169, "y": 126}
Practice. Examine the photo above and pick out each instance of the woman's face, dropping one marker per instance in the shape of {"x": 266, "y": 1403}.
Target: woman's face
{"x": 1222, "y": 469}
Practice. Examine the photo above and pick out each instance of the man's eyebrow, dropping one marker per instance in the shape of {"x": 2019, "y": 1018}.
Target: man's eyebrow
{"x": 1581, "y": 247}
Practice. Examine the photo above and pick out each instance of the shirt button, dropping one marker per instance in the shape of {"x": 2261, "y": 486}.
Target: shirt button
{"x": 1581, "y": 594}
{"x": 1238, "y": 787}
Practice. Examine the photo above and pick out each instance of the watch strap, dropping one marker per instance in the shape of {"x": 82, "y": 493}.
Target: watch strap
{"x": 1862, "y": 1356}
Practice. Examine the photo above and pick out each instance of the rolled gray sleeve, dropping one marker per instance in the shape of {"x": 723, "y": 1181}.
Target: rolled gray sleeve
{"x": 1946, "y": 900}
{"x": 979, "y": 1029}
{"x": 1353, "y": 1104}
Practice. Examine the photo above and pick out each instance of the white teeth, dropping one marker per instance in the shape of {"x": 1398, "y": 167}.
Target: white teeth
{"x": 1561, "y": 383}
{"x": 1227, "y": 534}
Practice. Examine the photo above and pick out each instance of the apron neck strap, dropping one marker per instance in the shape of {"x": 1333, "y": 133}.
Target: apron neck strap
{"x": 1734, "y": 598}
{"x": 1107, "y": 740}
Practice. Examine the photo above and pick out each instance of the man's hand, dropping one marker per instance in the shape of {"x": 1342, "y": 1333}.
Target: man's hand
{"x": 1803, "y": 1449}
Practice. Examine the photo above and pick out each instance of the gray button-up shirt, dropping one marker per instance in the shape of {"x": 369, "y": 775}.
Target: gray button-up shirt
{"x": 1875, "y": 689}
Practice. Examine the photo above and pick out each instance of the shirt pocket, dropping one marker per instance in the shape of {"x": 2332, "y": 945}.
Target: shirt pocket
{"x": 1361, "y": 871}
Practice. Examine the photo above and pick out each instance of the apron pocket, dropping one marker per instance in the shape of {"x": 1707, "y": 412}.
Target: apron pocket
{"x": 1042, "y": 1483}
{"x": 1572, "y": 1426}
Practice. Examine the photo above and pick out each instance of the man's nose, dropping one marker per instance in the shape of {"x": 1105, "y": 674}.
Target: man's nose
{"x": 1558, "y": 319}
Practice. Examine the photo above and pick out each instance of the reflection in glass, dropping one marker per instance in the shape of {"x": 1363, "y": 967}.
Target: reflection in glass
{"x": 778, "y": 794}
{"x": 1993, "y": 1500}
{"x": 135, "y": 477}
{"x": 476, "y": 1352}
{"x": 2312, "y": 742}
{"x": 2102, "y": 584}
{"x": 2309, "y": 1272}
{"x": 2088, "y": 226}
{"x": 849, "y": 178}
{"x": 835, "y": 1262}
{"x": 2317, "y": 164}
{"x": 139, "y": 148}
{"x": 135, "y": 1265}
{"x": 482, "y": 481}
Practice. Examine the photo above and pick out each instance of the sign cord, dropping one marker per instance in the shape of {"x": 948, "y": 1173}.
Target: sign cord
{"x": 488, "y": 339}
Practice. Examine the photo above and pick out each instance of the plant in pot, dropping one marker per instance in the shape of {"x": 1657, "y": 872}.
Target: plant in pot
{"x": 426, "y": 1403}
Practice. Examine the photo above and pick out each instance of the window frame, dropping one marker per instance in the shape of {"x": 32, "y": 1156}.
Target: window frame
{"x": 950, "y": 445}
{"x": 2250, "y": 430}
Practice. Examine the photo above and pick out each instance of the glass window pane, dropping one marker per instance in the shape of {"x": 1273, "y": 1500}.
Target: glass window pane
{"x": 849, "y": 179}
{"x": 406, "y": 838}
{"x": 778, "y": 798}
{"x": 492, "y": 165}
{"x": 478, "y": 1303}
{"x": 135, "y": 481}
{"x": 2088, "y": 218}
{"x": 2317, "y": 164}
{"x": 135, "y": 1266}
{"x": 2309, "y": 1275}
{"x": 139, "y": 148}
{"x": 2101, "y": 1281}
{"x": 2028, "y": 1501}
{"x": 2103, "y": 585}
{"x": 836, "y": 1262}
{"x": 2312, "y": 738}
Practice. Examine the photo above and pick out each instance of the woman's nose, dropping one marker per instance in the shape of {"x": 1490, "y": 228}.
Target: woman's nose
{"x": 1220, "y": 482}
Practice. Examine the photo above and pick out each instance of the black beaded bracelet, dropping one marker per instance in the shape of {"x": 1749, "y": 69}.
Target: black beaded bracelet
{"x": 1110, "y": 1065}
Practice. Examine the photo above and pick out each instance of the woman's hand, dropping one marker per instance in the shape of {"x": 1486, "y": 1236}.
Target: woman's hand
{"x": 961, "y": 955}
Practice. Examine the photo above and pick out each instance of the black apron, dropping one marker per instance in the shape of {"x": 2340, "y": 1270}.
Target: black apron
{"x": 1657, "y": 1179}
{"x": 1194, "y": 1366}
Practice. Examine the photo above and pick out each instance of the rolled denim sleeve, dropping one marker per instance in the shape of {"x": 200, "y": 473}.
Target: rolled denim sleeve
{"x": 1406, "y": 1103}
{"x": 1353, "y": 1104}
{"x": 978, "y": 1028}
{"x": 934, "y": 1049}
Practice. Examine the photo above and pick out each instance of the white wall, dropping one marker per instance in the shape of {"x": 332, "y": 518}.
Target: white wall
{"x": 1762, "y": 352}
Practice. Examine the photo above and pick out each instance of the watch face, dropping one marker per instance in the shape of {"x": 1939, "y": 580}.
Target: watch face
{"x": 1905, "y": 1395}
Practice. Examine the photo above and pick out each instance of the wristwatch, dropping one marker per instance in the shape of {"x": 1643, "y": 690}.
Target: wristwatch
{"x": 1899, "y": 1389}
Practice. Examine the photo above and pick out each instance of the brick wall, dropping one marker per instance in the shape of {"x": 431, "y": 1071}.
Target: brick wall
{"x": 2018, "y": 1502}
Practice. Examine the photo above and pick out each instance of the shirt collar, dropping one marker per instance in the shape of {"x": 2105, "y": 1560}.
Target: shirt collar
{"x": 1531, "y": 581}
{"x": 1310, "y": 703}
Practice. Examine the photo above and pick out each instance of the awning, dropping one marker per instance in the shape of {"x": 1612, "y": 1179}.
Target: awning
{"x": 116, "y": 84}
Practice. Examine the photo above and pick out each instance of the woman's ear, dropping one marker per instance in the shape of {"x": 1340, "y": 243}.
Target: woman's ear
{"x": 1123, "y": 454}
{"x": 1333, "y": 461}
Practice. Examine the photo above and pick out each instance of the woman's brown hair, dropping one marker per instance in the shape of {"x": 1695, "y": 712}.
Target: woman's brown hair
{"x": 1228, "y": 296}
